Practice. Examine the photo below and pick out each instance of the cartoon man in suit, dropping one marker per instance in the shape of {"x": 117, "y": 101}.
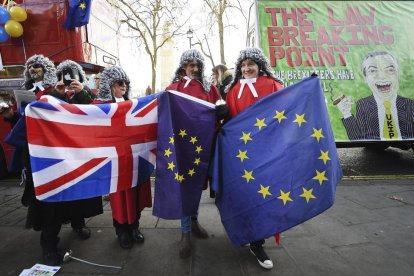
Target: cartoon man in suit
{"x": 384, "y": 115}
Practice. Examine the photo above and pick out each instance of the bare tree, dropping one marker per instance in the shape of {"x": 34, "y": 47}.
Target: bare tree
{"x": 218, "y": 10}
{"x": 246, "y": 15}
{"x": 155, "y": 21}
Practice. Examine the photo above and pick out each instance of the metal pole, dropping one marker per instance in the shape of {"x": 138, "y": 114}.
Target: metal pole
{"x": 190, "y": 41}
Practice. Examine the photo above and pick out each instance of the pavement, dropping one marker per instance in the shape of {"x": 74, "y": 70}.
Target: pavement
{"x": 368, "y": 231}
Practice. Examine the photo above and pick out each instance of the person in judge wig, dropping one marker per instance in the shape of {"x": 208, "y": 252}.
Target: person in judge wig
{"x": 189, "y": 78}
{"x": 253, "y": 80}
{"x": 126, "y": 205}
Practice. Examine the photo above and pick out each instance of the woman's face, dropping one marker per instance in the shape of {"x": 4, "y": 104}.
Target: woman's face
{"x": 249, "y": 69}
{"x": 119, "y": 88}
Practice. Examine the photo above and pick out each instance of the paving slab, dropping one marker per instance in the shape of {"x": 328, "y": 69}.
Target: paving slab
{"x": 372, "y": 259}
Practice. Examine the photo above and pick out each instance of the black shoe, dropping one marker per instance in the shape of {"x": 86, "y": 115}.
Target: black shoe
{"x": 137, "y": 236}
{"x": 198, "y": 230}
{"x": 262, "y": 258}
{"x": 185, "y": 245}
{"x": 52, "y": 258}
{"x": 125, "y": 240}
{"x": 83, "y": 233}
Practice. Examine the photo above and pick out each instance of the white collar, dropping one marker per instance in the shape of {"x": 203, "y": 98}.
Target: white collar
{"x": 249, "y": 83}
{"x": 187, "y": 81}
{"x": 39, "y": 85}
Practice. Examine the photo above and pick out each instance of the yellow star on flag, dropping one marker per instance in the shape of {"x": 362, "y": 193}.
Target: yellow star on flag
{"x": 82, "y": 6}
{"x": 167, "y": 152}
{"x": 324, "y": 156}
{"x": 171, "y": 140}
{"x": 300, "y": 119}
{"x": 198, "y": 149}
{"x": 171, "y": 166}
{"x": 242, "y": 155}
{"x": 264, "y": 191}
{"x": 182, "y": 133}
{"x": 191, "y": 172}
{"x": 260, "y": 123}
{"x": 197, "y": 161}
{"x": 307, "y": 194}
{"x": 248, "y": 175}
{"x": 317, "y": 133}
{"x": 285, "y": 197}
{"x": 177, "y": 176}
{"x": 181, "y": 178}
{"x": 320, "y": 176}
{"x": 246, "y": 137}
{"x": 193, "y": 139}
{"x": 280, "y": 116}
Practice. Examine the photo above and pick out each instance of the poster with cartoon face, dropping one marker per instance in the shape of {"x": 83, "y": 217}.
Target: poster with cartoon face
{"x": 361, "y": 51}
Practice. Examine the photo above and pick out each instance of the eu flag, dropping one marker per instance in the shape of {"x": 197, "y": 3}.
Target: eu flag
{"x": 79, "y": 12}
{"x": 185, "y": 136}
{"x": 276, "y": 164}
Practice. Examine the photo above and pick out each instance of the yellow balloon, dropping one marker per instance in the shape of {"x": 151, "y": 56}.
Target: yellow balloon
{"x": 18, "y": 14}
{"x": 13, "y": 28}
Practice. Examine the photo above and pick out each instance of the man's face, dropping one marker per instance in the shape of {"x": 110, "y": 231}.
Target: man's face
{"x": 36, "y": 71}
{"x": 382, "y": 76}
{"x": 192, "y": 70}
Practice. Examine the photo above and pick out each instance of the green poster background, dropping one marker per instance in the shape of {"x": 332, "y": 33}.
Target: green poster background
{"x": 396, "y": 15}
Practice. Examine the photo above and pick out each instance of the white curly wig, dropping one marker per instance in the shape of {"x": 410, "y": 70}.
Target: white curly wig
{"x": 259, "y": 58}
{"x": 74, "y": 66}
{"x": 49, "y": 78}
{"x": 108, "y": 77}
{"x": 187, "y": 57}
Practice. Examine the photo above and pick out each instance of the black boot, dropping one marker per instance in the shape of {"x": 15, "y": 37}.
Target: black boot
{"x": 79, "y": 227}
{"x": 198, "y": 230}
{"x": 52, "y": 258}
{"x": 124, "y": 238}
{"x": 185, "y": 245}
{"x": 83, "y": 233}
{"x": 137, "y": 236}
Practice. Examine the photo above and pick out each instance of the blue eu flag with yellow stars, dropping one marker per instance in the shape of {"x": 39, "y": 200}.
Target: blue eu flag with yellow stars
{"x": 78, "y": 14}
{"x": 276, "y": 164}
{"x": 185, "y": 136}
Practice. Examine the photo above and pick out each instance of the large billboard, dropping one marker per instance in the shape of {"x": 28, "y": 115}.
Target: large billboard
{"x": 363, "y": 52}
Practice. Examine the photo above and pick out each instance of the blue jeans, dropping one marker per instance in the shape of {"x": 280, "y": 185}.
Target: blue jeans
{"x": 186, "y": 224}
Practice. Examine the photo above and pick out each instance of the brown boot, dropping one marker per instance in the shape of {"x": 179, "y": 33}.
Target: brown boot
{"x": 198, "y": 230}
{"x": 185, "y": 245}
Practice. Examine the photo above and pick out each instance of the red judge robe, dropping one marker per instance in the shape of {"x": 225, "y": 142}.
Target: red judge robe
{"x": 264, "y": 86}
{"x": 124, "y": 203}
{"x": 195, "y": 89}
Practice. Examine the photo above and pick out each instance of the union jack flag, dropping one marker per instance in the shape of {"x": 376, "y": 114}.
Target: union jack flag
{"x": 83, "y": 151}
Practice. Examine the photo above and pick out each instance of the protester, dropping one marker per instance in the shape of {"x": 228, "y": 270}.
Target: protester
{"x": 189, "y": 79}
{"x": 76, "y": 91}
{"x": 126, "y": 205}
{"x": 222, "y": 77}
{"x": 40, "y": 77}
{"x": 252, "y": 81}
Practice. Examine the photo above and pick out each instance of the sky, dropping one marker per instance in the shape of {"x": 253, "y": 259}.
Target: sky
{"x": 137, "y": 64}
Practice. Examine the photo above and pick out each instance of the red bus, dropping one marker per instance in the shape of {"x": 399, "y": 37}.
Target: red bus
{"x": 93, "y": 46}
